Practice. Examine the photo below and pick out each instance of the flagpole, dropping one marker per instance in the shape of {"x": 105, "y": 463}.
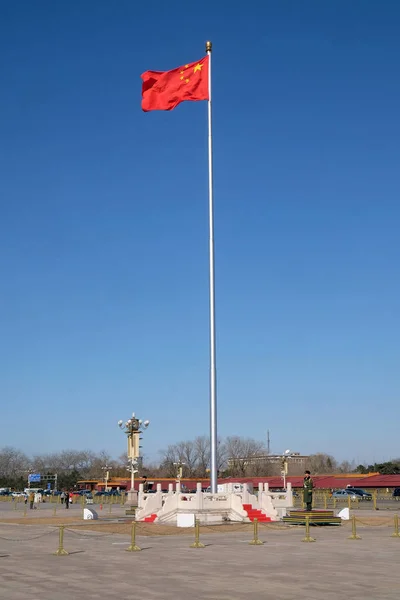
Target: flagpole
{"x": 213, "y": 371}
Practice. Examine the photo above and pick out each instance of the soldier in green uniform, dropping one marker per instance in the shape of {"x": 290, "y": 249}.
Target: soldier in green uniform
{"x": 308, "y": 490}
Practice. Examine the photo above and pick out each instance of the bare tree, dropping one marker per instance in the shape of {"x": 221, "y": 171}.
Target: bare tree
{"x": 243, "y": 452}
{"x": 202, "y": 452}
{"x": 321, "y": 464}
{"x": 13, "y": 463}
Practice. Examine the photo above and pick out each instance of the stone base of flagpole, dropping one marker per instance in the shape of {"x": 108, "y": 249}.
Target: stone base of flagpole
{"x": 132, "y": 502}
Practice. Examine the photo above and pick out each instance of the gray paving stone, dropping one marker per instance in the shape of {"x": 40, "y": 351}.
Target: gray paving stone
{"x": 284, "y": 568}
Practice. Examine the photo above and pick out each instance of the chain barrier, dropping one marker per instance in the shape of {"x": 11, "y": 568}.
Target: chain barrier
{"x": 135, "y": 528}
{"x": 226, "y": 528}
{"x": 141, "y": 526}
{"x": 276, "y": 527}
{"x": 91, "y": 534}
{"x": 35, "y": 537}
{"x": 384, "y": 524}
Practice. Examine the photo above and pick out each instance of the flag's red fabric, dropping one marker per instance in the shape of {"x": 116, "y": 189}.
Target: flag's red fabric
{"x": 163, "y": 90}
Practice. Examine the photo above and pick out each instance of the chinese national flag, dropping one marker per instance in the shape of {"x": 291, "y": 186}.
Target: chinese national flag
{"x": 164, "y": 90}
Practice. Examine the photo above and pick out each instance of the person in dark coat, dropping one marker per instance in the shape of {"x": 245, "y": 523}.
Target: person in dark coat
{"x": 66, "y": 499}
{"x": 308, "y": 487}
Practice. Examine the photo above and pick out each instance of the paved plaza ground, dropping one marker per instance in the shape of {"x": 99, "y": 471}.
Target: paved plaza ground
{"x": 284, "y": 568}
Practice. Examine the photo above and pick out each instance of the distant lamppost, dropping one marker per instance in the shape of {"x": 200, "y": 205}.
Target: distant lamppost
{"x": 285, "y": 456}
{"x": 106, "y": 468}
{"x": 179, "y": 469}
{"x": 133, "y": 428}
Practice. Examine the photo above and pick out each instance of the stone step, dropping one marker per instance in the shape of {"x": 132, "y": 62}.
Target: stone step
{"x": 320, "y": 517}
{"x": 150, "y": 519}
{"x": 255, "y": 513}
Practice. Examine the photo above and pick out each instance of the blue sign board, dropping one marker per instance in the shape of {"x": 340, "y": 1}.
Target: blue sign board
{"x": 34, "y": 478}
{"x": 49, "y": 486}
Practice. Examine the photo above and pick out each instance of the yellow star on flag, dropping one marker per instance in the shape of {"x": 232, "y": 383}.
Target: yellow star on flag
{"x": 198, "y": 67}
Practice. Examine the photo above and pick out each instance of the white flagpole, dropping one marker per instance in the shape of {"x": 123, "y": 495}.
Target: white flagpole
{"x": 213, "y": 371}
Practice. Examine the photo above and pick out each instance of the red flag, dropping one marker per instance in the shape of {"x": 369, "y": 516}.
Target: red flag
{"x": 164, "y": 90}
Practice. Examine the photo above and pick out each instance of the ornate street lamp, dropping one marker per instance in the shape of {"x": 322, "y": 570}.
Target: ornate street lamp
{"x": 133, "y": 428}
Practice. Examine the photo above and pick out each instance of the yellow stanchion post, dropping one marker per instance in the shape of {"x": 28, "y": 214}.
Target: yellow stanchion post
{"x": 25, "y": 510}
{"x": 197, "y": 543}
{"x": 109, "y": 508}
{"x": 54, "y": 510}
{"x": 133, "y": 547}
{"x": 325, "y": 501}
{"x": 349, "y": 501}
{"x": 334, "y": 503}
{"x": 375, "y": 499}
{"x": 255, "y": 541}
{"x": 61, "y": 550}
{"x": 308, "y": 538}
{"x": 396, "y": 532}
{"x": 354, "y": 535}
{"x": 15, "y": 503}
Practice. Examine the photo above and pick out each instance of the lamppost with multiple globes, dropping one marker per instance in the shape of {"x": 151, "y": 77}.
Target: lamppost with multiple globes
{"x": 179, "y": 469}
{"x": 285, "y": 456}
{"x": 133, "y": 428}
{"x": 106, "y": 470}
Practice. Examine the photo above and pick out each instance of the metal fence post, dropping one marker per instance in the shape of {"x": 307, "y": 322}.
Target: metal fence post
{"x": 354, "y": 535}
{"x": 255, "y": 541}
{"x": 308, "y": 538}
{"x": 197, "y": 543}
{"x": 396, "y": 526}
{"x": 61, "y": 551}
{"x": 133, "y": 547}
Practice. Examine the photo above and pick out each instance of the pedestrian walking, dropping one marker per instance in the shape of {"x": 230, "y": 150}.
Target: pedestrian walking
{"x": 308, "y": 487}
{"x": 62, "y": 497}
{"x": 31, "y": 500}
{"x": 66, "y": 500}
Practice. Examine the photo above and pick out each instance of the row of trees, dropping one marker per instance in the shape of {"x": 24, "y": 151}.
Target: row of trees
{"x": 69, "y": 465}
{"x": 237, "y": 457}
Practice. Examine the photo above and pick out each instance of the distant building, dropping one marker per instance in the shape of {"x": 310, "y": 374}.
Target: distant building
{"x": 271, "y": 464}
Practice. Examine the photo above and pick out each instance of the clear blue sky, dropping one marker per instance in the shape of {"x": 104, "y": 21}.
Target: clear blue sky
{"x": 104, "y": 225}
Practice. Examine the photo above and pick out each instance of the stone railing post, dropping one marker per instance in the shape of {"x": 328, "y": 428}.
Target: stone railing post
{"x": 199, "y": 497}
{"x": 289, "y": 495}
{"x": 140, "y": 496}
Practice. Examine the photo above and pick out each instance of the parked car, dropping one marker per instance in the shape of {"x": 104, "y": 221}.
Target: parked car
{"x": 344, "y": 494}
{"x": 19, "y": 495}
{"x": 396, "y": 493}
{"x": 363, "y": 495}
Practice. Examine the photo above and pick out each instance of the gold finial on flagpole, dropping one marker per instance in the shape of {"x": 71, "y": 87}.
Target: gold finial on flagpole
{"x": 208, "y": 46}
